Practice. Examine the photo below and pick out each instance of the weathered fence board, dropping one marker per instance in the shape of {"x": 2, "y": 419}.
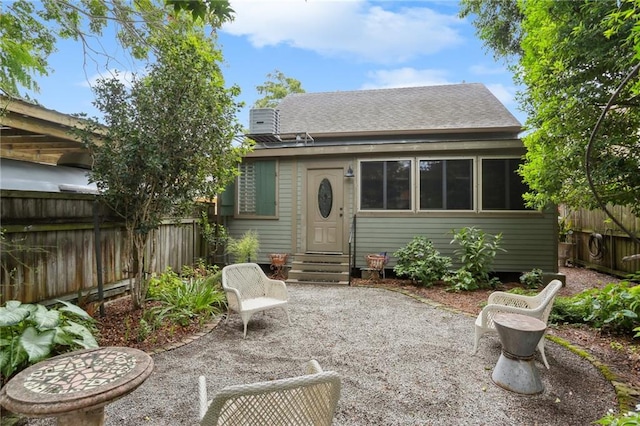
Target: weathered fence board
{"x": 600, "y": 244}
{"x": 48, "y": 249}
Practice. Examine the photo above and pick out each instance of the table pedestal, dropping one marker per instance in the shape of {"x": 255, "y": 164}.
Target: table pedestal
{"x": 94, "y": 417}
{"x": 75, "y": 387}
{"x": 516, "y": 370}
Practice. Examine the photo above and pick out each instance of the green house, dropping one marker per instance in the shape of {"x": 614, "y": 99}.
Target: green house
{"x": 343, "y": 174}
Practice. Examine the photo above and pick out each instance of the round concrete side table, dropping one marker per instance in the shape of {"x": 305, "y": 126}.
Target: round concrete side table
{"x": 75, "y": 387}
{"x": 516, "y": 370}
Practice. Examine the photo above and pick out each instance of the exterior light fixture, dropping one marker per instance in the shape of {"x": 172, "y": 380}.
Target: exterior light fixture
{"x": 349, "y": 172}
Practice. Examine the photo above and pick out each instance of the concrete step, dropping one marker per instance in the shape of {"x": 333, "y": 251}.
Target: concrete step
{"x": 293, "y": 281}
{"x": 319, "y": 267}
{"x": 318, "y": 276}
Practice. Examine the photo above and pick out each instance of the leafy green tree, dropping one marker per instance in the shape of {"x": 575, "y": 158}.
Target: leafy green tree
{"x": 276, "y": 88}
{"x": 498, "y": 23}
{"x": 167, "y": 141}
{"x": 29, "y": 30}
{"x": 572, "y": 56}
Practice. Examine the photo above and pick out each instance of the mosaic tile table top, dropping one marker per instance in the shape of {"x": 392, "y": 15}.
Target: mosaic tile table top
{"x": 77, "y": 380}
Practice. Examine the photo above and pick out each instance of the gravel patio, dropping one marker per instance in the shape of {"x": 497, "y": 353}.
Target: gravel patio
{"x": 402, "y": 362}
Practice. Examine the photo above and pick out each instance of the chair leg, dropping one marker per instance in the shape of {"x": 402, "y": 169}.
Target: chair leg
{"x": 476, "y": 340}
{"x": 286, "y": 311}
{"x": 202, "y": 393}
{"x": 541, "y": 349}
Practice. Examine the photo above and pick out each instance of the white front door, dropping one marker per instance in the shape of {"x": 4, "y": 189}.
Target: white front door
{"x": 325, "y": 210}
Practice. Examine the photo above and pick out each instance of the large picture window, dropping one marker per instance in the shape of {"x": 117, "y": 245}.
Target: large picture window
{"x": 256, "y": 191}
{"x": 502, "y": 186}
{"x": 446, "y": 184}
{"x": 385, "y": 185}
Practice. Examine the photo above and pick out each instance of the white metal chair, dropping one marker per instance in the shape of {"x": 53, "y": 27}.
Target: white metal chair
{"x": 538, "y": 306}
{"x": 308, "y": 400}
{"x": 249, "y": 290}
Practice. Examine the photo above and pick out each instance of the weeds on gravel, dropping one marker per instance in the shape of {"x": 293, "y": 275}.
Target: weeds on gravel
{"x": 630, "y": 418}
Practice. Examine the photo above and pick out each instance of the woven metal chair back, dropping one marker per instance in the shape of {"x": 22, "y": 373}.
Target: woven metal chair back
{"x": 248, "y": 278}
{"x": 308, "y": 400}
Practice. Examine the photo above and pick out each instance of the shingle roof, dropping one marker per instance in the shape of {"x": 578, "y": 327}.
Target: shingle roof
{"x": 411, "y": 109}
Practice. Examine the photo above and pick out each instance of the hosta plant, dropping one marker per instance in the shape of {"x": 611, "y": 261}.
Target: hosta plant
{"x": 31, "y": 332}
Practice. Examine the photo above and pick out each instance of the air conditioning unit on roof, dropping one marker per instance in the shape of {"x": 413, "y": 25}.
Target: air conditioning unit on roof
{"x": 264, "y": 121}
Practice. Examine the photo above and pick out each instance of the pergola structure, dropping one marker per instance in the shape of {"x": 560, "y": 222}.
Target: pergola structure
{"x": 30, "y": 132}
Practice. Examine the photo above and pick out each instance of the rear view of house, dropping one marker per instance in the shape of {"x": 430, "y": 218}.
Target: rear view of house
{"x": 365, "y": 171}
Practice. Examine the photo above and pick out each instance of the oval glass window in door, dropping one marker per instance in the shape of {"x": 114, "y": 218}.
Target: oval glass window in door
{"x": 325, "y": 198}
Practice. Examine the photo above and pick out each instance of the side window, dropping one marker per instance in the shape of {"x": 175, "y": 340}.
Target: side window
{"x": 256, "y": 188}
{"x": 502, "y": 186}
{"x": 446, "y": 184}
{"x": 385, "y": 185}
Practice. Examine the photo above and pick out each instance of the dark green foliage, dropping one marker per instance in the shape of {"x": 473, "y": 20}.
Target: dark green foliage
{"x": 181, "y": 300}
{"x": 476, "y": 252}
{"x": 421, "y": 262}
{"x": 532, "y": 279}
{"x": 571, "y": 310}
{"x": 614, "y": 308}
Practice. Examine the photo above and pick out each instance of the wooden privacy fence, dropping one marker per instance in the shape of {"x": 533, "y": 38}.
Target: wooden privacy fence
{"x": 49, "y": 250}
{"x": 600, "y": 244}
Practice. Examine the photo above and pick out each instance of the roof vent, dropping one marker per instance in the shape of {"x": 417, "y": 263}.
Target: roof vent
{"x": 264, "y": 121}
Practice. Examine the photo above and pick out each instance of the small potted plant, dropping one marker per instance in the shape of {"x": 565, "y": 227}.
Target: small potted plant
{"x": 565, "y": 244}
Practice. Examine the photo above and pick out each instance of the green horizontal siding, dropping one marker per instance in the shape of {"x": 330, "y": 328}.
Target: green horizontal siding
{"x": 274, "y": 234}
{"x": 530, "y": 240}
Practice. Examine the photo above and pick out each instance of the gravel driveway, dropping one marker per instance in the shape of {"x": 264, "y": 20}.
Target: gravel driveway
{"x": 402, "y": 362}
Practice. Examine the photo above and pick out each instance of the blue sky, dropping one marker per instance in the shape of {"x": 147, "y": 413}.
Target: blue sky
{"x": 328, "y": 45}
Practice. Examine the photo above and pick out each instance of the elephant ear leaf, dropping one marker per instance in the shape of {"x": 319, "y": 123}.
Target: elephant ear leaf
{"x": 74, "y": 309}
{"x": 46, "y": 319}
{"x": 36, "y": 345}
{"x": 86, "y": 340}
{"x": 13, "y": 313}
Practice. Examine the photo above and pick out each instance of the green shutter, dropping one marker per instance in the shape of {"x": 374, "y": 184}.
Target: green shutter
{"x": 226, "y": 200}
{"x": 266, "y": 188}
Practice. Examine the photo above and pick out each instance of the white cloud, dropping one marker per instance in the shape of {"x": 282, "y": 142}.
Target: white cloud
{"x": 406, "y": 77}
{"x": 506, "y": 95}
{"x": 485, "y": 70}
{"x": 356, "y": 29}
{"x": 125, "y": 77}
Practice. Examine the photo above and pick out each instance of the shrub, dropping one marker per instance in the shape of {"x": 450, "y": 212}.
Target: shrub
{"x": 246, "y": 248}
{"x": 199, "y": 269}
{"x": 476, "y": 252}
{"x": 616, "y": 308}
{"x": 421, "y": 262}
{"x": 572, "y": 309}
{"x": 532, "y": 279}
{"x": 31, "y": 332}
{"x": 197, "y": 298}
{"x": 165, "y": 283}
